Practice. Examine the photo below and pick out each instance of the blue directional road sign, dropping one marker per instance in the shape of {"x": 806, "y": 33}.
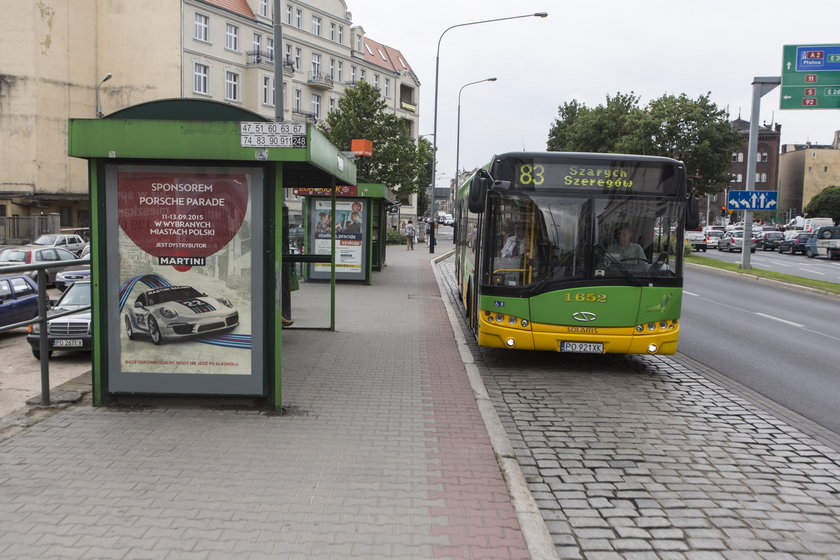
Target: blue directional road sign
{"x": 752, "y": 200}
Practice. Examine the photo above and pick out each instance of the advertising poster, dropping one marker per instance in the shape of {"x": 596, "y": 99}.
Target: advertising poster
{"x": 350, "y": 226}
{"x": 184, "y": 246}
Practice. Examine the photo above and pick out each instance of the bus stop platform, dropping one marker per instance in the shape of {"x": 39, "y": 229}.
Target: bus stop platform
{"x": 381, "y": 452}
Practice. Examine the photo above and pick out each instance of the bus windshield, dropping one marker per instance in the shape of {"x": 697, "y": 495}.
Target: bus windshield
{"x": 544, "y": 240}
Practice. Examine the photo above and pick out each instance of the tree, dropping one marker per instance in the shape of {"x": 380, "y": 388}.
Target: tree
{"x": 693, "y": 131}
{"x": 396, "y": 161}
{"x": 826, "y": 204}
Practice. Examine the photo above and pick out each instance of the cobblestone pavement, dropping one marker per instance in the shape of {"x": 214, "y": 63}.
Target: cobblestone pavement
{"x": 645, "y": 457}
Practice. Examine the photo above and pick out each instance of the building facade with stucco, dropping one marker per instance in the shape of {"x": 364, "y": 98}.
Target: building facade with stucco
{"x": 56, "y": 54}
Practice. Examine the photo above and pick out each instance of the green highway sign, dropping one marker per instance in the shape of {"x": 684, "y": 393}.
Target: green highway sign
{"x": 810, "y": 77}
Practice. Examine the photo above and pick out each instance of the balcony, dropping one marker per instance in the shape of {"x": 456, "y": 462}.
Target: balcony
{"x": 320, "y": 81}
{"x": 310, "y": 116}
{"x": 265, "y": 59}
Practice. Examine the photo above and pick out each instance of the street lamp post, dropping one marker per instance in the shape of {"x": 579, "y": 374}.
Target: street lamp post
{"x": 99, "y": 113}
{"x": 437, "y": 84}
{"x": 458, "y": 129}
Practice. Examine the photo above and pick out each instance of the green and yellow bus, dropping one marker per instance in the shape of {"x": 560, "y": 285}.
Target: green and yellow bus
{"x": 574, "y": 252}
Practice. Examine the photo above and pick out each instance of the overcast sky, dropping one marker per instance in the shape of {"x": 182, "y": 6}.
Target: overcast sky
{"x": 586, "y": 50}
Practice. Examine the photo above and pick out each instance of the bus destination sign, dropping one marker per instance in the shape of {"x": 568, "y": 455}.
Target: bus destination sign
{"x": 272, "y": 135}
{"x": 590, "y": 176}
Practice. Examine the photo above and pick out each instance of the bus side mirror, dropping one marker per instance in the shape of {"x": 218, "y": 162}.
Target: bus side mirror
{"x": 478, "y": 191}
{"x": 500, "y": 186}
{"x": 692, "y": 212}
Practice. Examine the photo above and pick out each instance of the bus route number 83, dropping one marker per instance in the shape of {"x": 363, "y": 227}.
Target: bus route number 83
{"x": 531, "y": 174}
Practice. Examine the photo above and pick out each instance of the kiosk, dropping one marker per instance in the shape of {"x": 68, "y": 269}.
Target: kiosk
{"x": 186, "y": 208}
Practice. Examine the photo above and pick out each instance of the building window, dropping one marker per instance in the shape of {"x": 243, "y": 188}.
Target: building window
{"x": 340, "y": 71}
{"x": 387, "y": 87}
{"x": 316, "y": 26}
{"x": 363, "y": 75}
{"x": 298, "y": 18}
{"x": 341, "y": 34}
{"x": 316, "y": 106}
{"x": 316, "y": 64}
{"x": 332, "y": 69}
{"x": 264, "y": 8}
{"x": 269, "y": 48}
{"x": 734, "y": 157}
{"x": 231, "y": 37}
{"x": 765, "y": 157}
{"x": 289, "y": 50}
{"x": 739, "y": 178}
{"x": 200, "y": 73}
{"x": 298, "y": 95}
{"x": 332, "y": 31}
{"x": 201, "y": 30}
{"x": 353, "y": 74}
{"x": 232, "y": 86}
{"x": 332, "y": 104}
{"x": 268, "y": 91}
{"x": 298, "y": 55}
{"x": 289, "y": 10}
{"x": 740, "y": 157}
{"x": 376, "y": 81}
{"x": 257, "y": 42}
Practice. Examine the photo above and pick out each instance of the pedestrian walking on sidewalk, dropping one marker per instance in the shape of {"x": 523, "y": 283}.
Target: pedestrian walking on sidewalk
{"x": 410, "y": 232}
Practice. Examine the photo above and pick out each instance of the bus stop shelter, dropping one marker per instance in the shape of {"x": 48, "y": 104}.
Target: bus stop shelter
{"x": 358, "y": 221}
{"x": 187, "y": 228}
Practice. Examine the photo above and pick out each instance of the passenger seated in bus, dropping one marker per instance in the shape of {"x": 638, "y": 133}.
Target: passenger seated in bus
{"x": 624, "y": 250}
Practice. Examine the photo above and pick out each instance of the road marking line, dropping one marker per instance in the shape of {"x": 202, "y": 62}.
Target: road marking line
{"x": 691, "y": 293}
{"x": 780, "y": 320}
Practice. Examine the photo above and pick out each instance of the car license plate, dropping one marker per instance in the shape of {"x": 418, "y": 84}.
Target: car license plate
{"x": 582, "y": 347}
{"x": 68, "y": 342}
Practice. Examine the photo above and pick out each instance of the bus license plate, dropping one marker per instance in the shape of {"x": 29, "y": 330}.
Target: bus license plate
{"x": 71, "y": 342}
{"x": 582, "y": 347}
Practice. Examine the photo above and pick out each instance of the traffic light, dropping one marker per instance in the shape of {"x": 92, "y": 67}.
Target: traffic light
{"x": 723, "y": 211}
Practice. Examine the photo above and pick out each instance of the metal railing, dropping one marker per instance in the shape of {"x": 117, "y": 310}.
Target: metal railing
{"x": 43, "y": 335}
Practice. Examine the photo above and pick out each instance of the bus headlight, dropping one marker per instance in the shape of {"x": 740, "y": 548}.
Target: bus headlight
{"x": 524, "y": 323}
{"x": 510, "y": 343}
{"x": 511, "y": 320}
{"x": 652, "y": 348}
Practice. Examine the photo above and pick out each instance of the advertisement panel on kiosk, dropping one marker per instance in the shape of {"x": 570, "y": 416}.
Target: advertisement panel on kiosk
{"x": 351, "y": 230}
{"x": 181, "y": 279}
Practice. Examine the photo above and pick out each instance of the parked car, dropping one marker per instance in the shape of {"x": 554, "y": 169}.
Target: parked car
{"x": 734, "y": 241}
{"x": 38, "y": 255}
{"x": 178, "y": 312}
{"x": 65, "y": 278}
{"x": 794, "y": 242}
{"x": 18, "y": 299}
{"x": 712, "y": 238}
{"x": 73, "y": 243}
{"x": 769, "y": 240}
{"x": 71, "y": 332}
{"x": 697, "y": 240}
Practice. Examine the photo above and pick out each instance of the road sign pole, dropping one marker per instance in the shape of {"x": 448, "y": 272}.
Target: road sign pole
{"x": 761, "y": 86}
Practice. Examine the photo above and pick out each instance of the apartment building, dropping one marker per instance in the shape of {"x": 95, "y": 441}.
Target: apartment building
{"x": 56, "y": 54}
{"x": 804, "y": 171}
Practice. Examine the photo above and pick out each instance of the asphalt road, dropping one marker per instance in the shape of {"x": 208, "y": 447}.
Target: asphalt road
{"x": 778, "y": 341}
{"x": 818, "y": 268}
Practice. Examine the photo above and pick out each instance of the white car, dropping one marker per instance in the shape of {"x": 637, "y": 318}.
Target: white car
{"x": 178, "y": 312}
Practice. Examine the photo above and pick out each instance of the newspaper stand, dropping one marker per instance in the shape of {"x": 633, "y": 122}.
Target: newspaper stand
{"x": 186, "y": 208}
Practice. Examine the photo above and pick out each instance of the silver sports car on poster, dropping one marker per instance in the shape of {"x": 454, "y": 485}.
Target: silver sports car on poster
{"x": 178, "y": 312}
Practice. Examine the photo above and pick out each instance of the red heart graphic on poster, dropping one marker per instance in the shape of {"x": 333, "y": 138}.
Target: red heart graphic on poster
{"x": 181, "y": 215}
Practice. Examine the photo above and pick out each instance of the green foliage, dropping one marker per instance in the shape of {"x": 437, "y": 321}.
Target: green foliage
{"x": 694, "y": 131}
{"x": 396, "y": 161}
{"x": 394, "y": 237}
{"x": 826, "y": 204}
